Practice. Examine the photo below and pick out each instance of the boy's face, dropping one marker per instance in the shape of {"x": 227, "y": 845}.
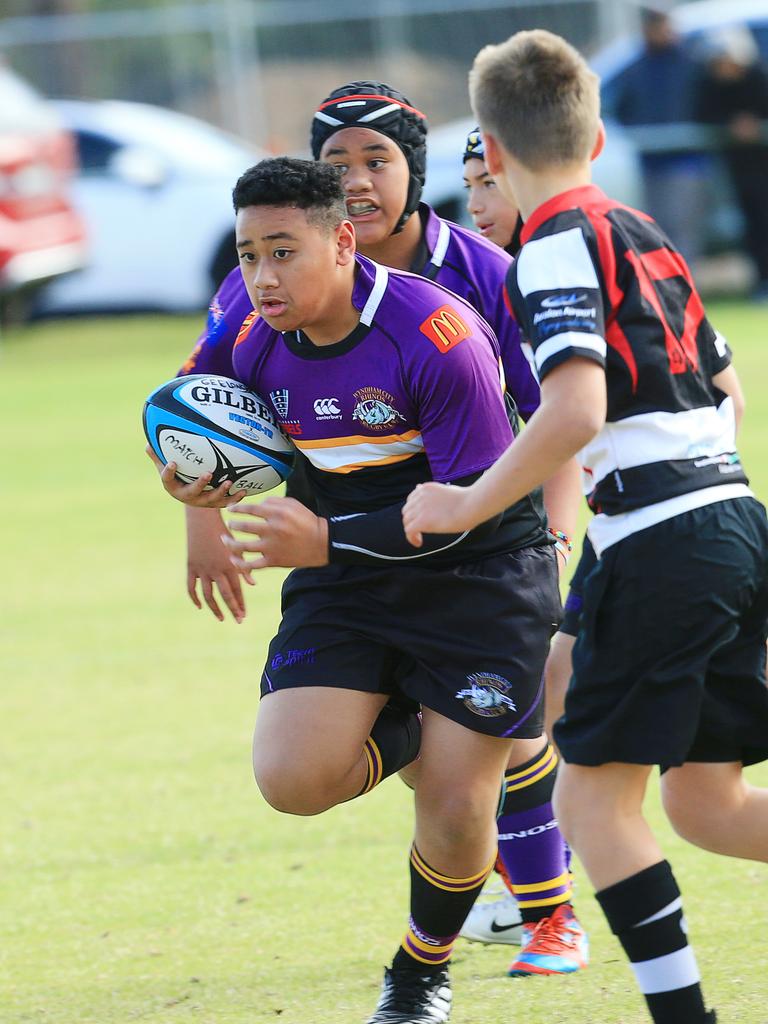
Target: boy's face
{"x": 290, "y": 265}
{"x": 494, "y": 216}
{"x": 375, "y": 178}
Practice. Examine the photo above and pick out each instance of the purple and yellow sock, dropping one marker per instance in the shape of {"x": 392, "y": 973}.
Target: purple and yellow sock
{"x": 393, "y": 743}
{"x": 535, "y": 855}
{"x": 439, "y": 906}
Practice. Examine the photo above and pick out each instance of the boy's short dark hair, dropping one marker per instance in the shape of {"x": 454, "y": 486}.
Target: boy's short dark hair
{"x": 536, "y": 95}
{"x": 305, "y": 184}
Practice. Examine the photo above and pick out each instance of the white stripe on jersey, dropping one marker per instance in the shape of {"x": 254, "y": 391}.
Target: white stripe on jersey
{"x": 603, "y": 530}
{"x": 441, "y": 245}
{"x": 660, "y": 437}
{"x": 345, "y": 458}
{"x": 376, "y": 295}
{"x": 569, "y": 339}
{"x": 556, "y": 262}
{"x": 528, "y": 353}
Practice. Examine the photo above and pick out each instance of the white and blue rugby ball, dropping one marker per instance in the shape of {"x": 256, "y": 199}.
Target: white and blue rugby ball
{"x": 209, "y": 424}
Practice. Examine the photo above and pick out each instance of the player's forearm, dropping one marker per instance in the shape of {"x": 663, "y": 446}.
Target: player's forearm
{"x": 203, "y": 524}
{"x": 537, "y": 455}
{"x": 562, "y": 498}
{"x": 572, "y": 411}
{"x": 728, "y": 382}
{"x": 378, "y": 538}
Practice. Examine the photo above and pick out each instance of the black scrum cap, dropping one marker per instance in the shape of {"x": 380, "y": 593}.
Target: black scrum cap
{"x": 383, "y": 109}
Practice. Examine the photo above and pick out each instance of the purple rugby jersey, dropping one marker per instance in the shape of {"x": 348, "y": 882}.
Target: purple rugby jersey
{"x": 458, "y": 259}
{"x": 413, "y": 393}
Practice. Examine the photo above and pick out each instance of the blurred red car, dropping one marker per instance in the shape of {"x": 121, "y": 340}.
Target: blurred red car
{"x": 41, "y": 235}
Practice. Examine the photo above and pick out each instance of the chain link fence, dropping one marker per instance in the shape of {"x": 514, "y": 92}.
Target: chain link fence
{"x": 255, "y": 67}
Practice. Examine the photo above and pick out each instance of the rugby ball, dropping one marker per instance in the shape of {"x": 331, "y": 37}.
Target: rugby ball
{"x": 209, "y": 424}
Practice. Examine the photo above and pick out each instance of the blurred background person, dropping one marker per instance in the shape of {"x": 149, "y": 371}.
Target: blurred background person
{"x": 733, "y": 92}
{"x": 659, "y": 89}
{"x": 493, "y": 215}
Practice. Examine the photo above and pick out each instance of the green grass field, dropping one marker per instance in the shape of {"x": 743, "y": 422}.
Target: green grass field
{"x": 142, "y": 878}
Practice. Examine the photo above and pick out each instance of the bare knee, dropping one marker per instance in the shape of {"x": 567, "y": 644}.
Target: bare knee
{"x": 455, "y": 821}
{"x": 699, "y": 803}
{"x": 291, "y": 791}
{"x": 588, "y": 801}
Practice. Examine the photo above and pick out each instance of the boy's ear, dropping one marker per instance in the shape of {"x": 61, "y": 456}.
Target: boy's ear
{"x": 599, "y": 141}
{"x": 345, "y": 243}
{"x": 493, "y": 161}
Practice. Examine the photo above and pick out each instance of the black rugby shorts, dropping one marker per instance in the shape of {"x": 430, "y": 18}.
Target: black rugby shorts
{"x": 469, "y": 642}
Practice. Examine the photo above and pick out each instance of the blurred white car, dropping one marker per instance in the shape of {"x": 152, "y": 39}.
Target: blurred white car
{"x": 616, "y": 170}
{"x": 155, "y": 189}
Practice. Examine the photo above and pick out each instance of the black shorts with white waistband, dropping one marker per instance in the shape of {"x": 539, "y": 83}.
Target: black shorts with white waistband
{"x": 468, "y": 642}
{"x": 669, "y": 663}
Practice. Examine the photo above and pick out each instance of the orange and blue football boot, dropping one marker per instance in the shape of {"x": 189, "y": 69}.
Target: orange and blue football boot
{"x": 555, "y": 945}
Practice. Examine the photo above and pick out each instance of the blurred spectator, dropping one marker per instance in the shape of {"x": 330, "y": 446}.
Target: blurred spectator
{"x": 659, "y": 89}
{"x": 733, "y": 92}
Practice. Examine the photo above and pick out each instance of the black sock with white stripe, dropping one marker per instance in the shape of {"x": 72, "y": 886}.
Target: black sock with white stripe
{"x": 645, "y": 913}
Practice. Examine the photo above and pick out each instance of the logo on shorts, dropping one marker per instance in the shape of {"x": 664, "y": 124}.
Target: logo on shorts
{"x": 487, "y": 695}
{"x": 374, "y": 409}
{"x": 285, "y": 659}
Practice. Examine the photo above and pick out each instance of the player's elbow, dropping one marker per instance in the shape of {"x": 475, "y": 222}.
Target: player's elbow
{"x": 584, "y": 422}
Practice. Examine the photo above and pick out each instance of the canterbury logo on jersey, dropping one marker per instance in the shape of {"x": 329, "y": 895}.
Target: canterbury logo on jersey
{"x": 326, "y": 407}
{"x": 445, "y": 328}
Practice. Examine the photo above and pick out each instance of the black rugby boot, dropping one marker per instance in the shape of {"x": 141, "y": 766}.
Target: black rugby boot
{"x": 409, "y": 996}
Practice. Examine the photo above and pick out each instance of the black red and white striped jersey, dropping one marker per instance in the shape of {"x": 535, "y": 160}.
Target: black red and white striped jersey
{"x": 598, "y": 280}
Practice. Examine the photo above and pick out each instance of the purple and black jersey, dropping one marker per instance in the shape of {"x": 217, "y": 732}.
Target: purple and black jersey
{"x": 459, "y": 260}
{"x": 414, "y": 393}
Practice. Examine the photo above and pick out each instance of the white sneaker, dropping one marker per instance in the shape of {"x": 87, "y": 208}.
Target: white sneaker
{"x": 496, "y": 921}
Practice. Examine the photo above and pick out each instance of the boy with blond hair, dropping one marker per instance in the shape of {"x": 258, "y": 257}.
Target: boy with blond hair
{"x": 669, "y": 660}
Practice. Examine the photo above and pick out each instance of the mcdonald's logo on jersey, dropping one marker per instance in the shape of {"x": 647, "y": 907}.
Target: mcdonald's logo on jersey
{"x": 445, "y": 328}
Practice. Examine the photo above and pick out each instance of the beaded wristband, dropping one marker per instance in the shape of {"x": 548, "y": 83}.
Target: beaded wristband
{"x": 563, "y": 543}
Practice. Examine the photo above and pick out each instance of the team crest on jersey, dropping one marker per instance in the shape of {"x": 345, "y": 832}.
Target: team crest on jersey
{"x": 445, "y": 328}
{"x": 487, "y": 695}
{"x": 279, "y": 398}
{"x": 374, "y": 409}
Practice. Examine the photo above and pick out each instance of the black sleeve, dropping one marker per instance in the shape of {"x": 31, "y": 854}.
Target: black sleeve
{"x": 378, "y": 538}
{"x": 299, "y": 486}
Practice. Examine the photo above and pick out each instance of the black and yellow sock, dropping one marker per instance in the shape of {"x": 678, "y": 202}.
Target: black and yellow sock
{"x": 393, "y": 743}
{"x": 439, "y": 906}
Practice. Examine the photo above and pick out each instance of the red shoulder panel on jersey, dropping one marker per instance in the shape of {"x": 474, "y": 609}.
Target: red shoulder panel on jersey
{"x": 445, "y": 328}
